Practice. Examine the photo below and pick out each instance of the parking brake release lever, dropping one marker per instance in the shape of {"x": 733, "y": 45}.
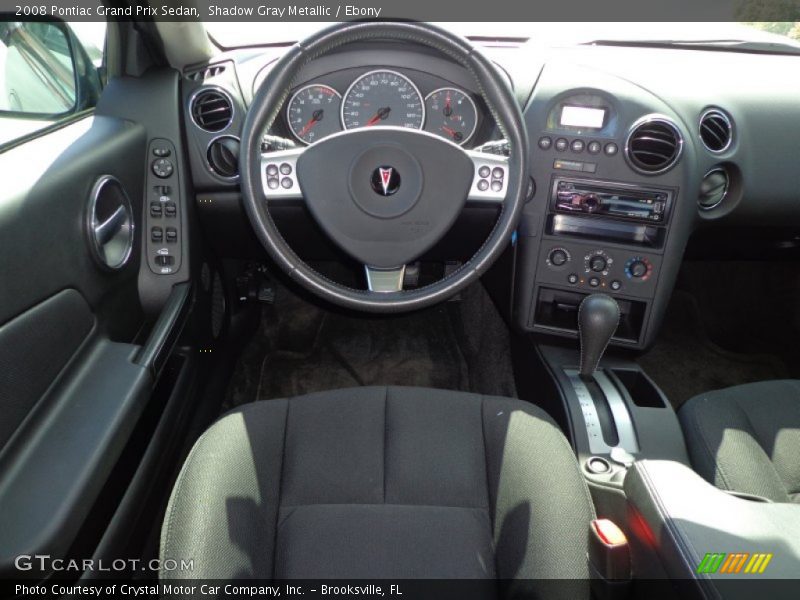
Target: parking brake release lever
{"x": 598, "y": 318}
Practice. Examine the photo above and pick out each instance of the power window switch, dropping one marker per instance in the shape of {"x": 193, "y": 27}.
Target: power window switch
{"x": 170, "y": 209}
{"x": 157, "y": 234}
{"x": 164, "y": 260}
{"x": 172, "y": 235}
{"x": 156, "y": 209}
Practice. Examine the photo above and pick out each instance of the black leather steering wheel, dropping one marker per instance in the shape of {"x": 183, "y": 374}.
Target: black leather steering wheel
{"x": 385, "y": 195}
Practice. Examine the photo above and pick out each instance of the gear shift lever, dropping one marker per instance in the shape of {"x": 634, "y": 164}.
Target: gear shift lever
{"x": 598, "y": 317}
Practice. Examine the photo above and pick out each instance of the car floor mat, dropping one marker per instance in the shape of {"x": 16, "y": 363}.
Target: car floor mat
{"x": 684, "y": 362}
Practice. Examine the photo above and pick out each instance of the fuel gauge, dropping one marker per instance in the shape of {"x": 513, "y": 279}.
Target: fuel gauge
{"x": 451, "y": 114}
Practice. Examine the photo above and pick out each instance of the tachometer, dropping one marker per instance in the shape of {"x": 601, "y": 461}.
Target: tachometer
{"x": 313, "y": 113}
{"x": 383, "y": 98}
{"x": 451, "y": 114}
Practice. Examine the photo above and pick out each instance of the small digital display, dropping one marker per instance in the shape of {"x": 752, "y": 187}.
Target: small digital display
{"x": 582, "y": 116}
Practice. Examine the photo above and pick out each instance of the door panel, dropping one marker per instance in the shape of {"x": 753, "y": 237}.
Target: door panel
{"x": 71, "y": 390}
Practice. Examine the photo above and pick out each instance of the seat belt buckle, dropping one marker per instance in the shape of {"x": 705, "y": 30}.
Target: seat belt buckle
{"x": 609, "y": 561}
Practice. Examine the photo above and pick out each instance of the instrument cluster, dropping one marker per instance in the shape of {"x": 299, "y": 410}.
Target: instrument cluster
{"x": 381, "y": 97}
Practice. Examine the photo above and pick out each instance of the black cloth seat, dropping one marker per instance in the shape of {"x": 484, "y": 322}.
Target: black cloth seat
{"x": 381, "y": 482}
{"x": 746, "y": 438}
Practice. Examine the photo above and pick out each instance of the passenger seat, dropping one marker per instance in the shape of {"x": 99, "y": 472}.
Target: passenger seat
{"x": 746, "y": 439}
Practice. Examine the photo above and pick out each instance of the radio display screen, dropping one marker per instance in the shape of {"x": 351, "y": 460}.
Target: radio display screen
{"x": 582, "y": 116}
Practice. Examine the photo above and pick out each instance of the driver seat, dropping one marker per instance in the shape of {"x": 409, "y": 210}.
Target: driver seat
{"x": 382, "y": 483}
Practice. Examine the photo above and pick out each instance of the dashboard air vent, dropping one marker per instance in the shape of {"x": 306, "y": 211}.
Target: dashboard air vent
{"x": 716, "y": 130}
{"x": 212, "y": 110}
{"x": 654, "y": 145}
{"x": 713, "y": 188}
{"x": 223, "y": 156}
{"x": 203, "y": 74}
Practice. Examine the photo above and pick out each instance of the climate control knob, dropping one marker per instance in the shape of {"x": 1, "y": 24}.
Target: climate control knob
{"x": 598, "y": 263}
{"x": 638, "y": 268}
{"x": 558, "y": 257}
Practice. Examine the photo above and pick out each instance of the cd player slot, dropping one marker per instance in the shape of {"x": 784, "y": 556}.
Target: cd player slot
{"x": 610, "y": 230}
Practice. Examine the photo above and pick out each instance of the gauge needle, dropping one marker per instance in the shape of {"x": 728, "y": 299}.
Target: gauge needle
{"x": 456, "y": 135}
{"x": 315, "y": 118}
{"x": 448, "y": 110}
{"x": 382, "y": 114}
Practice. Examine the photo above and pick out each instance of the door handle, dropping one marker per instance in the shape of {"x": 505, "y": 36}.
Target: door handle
{"x": 109, "y": 223}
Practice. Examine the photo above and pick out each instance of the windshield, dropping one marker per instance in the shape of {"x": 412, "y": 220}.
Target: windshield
{"x": 778, "y": 36}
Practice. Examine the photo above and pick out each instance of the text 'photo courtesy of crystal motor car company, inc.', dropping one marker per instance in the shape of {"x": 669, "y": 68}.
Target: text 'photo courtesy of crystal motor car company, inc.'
{"x": 409, "y": 300}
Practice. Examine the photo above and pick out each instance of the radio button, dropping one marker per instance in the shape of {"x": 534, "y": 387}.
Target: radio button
{"x": 616, "y": 285}
{"x": 573, "y": 279}
{"x": 545, "y": 143}
{"x": 594, "y": 147}
{"x": 561, "y": 144}
{"x": 611, "y": 149}
{"x": 577, "y": 145}
{"x": 594, "y": 281}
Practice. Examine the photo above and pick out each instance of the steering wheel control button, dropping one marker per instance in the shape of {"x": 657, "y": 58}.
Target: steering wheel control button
{"x": 162, "y": 168}
{"x": 272, "y": 169}
{"x": 498, "y": 173}
{"x": 594, "y": 147}
{"x": 611, "y": 149}
{"x": 273, "y": 183}
{"x": 286, "y": 169}
{"x": 562, "y": 144}
{"x": 545, "y": 143}
{"x": 385, "y": 180}
{"x": 497, "y": 185}
{"x": 483, "y": 185}
{"x": 484, "y": 171}
{"x": 287, "y": 183}
{"x": 577, "y": 145}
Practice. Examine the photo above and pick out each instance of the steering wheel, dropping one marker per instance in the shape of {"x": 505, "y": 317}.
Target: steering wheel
{"x": 384, "y": 195}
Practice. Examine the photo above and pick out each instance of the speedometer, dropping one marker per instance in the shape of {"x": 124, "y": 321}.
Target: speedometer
{"x": 383, "y": 98}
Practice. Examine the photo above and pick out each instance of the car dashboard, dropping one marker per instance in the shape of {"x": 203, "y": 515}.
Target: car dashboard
{"x": 632, "y": 151}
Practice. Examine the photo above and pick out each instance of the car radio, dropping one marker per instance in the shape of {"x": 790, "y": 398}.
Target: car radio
{"x": 587, "y": 197}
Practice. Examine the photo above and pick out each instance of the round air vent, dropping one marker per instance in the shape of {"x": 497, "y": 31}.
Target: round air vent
{"x": 716, "y": 130}
{"x": 212, "y": 109}
{"x": 714, "y": 188}
{"x": 223, "y": 156}
{"x": 654, "y": 145}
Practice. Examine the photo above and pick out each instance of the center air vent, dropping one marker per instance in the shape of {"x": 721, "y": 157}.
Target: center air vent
{"x": 212, "y": 110}
{"x": 716, "y": 130}
{"x": 654, "y": 145}
{"x": 713, "y": 188}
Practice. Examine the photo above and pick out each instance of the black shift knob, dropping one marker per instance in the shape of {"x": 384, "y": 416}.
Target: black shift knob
{"x": 598, "y": 317}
